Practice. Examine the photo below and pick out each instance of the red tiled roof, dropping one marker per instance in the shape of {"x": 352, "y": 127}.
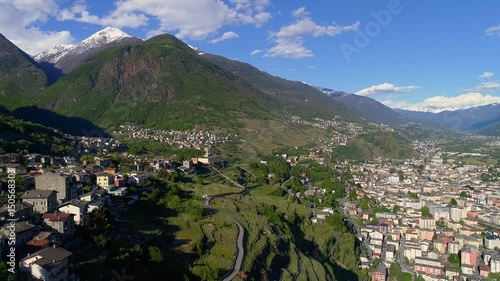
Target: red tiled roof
{"x": 56, "y": 216}
{"x": 37, "y": 242}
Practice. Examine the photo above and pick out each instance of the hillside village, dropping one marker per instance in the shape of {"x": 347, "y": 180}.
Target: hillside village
{"x": 56, "y": 195}
{"x": 436, "y": 218}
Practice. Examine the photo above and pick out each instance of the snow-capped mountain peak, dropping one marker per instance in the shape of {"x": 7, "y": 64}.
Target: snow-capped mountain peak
{"x": 107, "y": 35}
{"x": 54, "y": 53}
{"x": 198, "y": 50}
{"x": 67, "y": 57}
{"x": 102, "y": 37}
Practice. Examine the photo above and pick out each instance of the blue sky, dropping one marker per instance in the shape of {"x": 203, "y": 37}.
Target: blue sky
{"x": 409, "y": 54}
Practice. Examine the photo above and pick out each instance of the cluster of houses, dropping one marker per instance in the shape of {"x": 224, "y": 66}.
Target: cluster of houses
{"x": 181, "y": 139}
{"x": 344, "y": 131}
{"x": 461, "y": 213}
{"x": 52, "y": 204}
{"x": 97, "y": 145}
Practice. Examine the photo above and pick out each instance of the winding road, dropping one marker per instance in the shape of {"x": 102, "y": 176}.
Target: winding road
{"x": 240, "y": 251}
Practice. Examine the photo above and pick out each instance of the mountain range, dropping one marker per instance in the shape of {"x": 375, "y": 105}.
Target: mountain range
{"x": 365, "y": 107}
{"x": 111, "y": 78}
{"x": 473, "y": 119}
{"x": 62, "y": 59}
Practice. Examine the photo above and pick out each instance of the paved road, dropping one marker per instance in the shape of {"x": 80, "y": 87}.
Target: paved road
{"x": 240, "y": 251}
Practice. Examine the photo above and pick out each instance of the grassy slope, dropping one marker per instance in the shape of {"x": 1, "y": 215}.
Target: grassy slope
{"x": 493, "y": 130}
{"x": 160, "y": 83}
{"x": 20, "y": 77}
{"x": 18, "y": 135}
{"x": 297, "y": 97}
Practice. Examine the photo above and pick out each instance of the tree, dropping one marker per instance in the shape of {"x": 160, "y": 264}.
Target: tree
{"x": 155, "y": 254}
{"x": 396, "y": 209}
{"x": 101, "y": 241}
{"x": 363, "y": 204}
{"x": 453, "y": 202}
{"x": 453, "y": 258}
{"x": 3, "y": 270}
{"x": 464, "y": 194}
{"x": 425, "y": 211}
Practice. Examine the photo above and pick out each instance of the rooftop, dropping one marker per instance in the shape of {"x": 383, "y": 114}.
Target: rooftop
{"x": 56, "y": 217}
{"x": 49, "y": 257}
{"x": 33, "y": 194}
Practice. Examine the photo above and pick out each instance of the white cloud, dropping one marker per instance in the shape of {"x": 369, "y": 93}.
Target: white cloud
{"x": 385, "y": 88}
{"x": 17, "y": 20}
{"x": 225, "y": 36}
{"x": 486, "y": 75}
{"x": 196, "y": 20}
{"x": 289, "y": 40}
{"x": 300, "y": 12}
{"x": 464, "y": 100}
{"x": 492, "y": 31}
{"x": 255, "y": 52}
{"x": 441, "y": 103}
{"x": 80, "y": 13}
{"x": 486, "y": 87}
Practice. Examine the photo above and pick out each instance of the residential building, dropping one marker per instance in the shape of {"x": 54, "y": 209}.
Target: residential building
{"x": 16, "y": 169}
{"x": 43, "y": 201}
{"x": 104, "y": 180}
{"x": 440, "y": 245}
{"x": 61, "y": 222}
{"x": 380, "y": 273}
{"x": 76, "y": 207}
{"x": 429, "y": 223}
{"x": 491, "y": 242}
{"x": 426, "y": 234}
{"x": 484, "y": 270}
{"x": 469, "y": 256}
{"x": 454, "y": 247}
{"x": 22, "y": 210}
{"x": 457, "y": 213}
{"x": 495, "y": 263}
{"x": 24, "y": 232}
{"x": 50, "y": 264}
{"x": 65, "y": 185}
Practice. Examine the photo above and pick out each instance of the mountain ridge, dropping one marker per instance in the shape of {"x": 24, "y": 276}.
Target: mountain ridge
{"x": 365, "y": 107}
{"x": 472, "y": 119}
{"x": 65, "y": 58}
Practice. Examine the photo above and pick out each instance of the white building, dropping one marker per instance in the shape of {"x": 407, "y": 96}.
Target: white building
{"x": 495, "y": 264}
{"x": 50, "y": 264}
{"x": 457, "y": 214}
{"x": 76, "y": 207}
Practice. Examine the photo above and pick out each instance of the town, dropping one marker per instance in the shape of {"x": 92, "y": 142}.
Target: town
{"x": 430, "y": 218}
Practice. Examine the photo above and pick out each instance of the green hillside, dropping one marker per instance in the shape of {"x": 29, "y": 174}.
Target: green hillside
{"x": 20, "y": 77}
{"x": 493, "y": 130}
{"x": 297, "y": 97}
{"x": 20, "y": 136}
{"x": 160, "y": 83}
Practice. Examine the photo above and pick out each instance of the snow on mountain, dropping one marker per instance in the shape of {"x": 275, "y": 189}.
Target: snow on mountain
{"x": 106, "y": 36}
{"x": 53, "y": 53}
{"x": 432, "y": 109}
{"x": 198, "y": 50}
